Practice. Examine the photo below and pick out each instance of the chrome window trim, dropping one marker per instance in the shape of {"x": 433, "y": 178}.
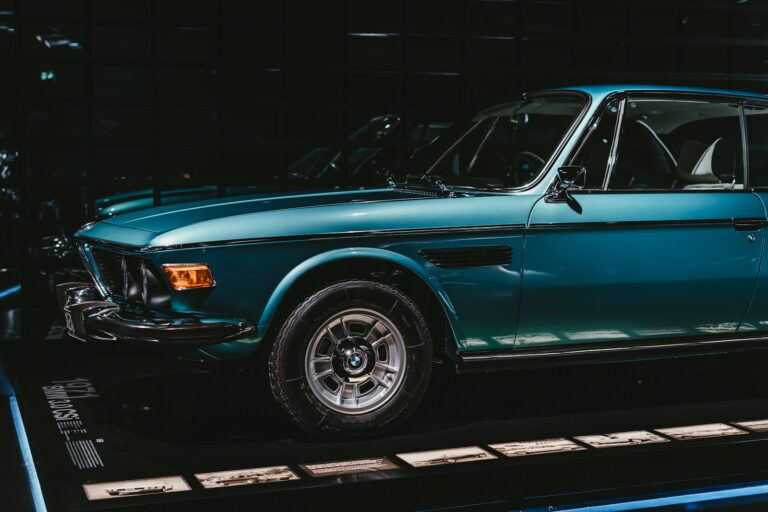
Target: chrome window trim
{"x": 752, "y": 102}
{"x": 670, "y": 95}
{"x": 744, "y": 144}
{"x": 594, "y": 122}
{"x": 613, "y": 155}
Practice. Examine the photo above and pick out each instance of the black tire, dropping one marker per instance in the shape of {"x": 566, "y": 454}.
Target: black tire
{"x": 286, "y": 361}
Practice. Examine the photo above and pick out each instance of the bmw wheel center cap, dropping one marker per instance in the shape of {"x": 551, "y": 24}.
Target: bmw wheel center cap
{"x": 355, "y": 361}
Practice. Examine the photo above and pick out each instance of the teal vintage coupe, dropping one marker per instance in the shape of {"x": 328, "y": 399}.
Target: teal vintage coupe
{"x": 577, "y": 225}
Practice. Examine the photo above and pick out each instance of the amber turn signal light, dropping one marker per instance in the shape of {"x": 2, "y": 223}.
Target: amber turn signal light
{"x": 186, "y": 276}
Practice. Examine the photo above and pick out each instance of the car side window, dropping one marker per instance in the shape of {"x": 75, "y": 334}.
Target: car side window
{"x": 594, "y": 153}
{"x": 757, "y": 137}
{"x": 678, "y": 144}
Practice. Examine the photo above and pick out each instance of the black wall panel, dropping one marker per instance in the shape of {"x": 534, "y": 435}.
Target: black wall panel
{"x": 99, "y": 96}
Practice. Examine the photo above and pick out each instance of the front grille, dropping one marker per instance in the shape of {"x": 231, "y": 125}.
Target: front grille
{"x": 111, "y": 269}
{"x": 131, "y": 278}
{"x": 124, "y": 275}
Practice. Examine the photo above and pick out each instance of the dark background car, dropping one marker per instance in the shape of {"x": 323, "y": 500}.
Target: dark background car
{"x": 373, "y": 157}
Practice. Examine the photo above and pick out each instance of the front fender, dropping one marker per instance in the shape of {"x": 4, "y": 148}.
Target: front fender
{"x": 356, "y": 253}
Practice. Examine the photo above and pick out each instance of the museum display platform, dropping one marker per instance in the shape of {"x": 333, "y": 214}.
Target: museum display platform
{"x": 112, "y": 428}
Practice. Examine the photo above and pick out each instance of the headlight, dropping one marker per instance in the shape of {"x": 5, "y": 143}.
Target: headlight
{"x": 184, "y": 276}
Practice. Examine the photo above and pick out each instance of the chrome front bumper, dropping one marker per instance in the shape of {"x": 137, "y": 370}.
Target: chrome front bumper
{"x": 89, "y": 318}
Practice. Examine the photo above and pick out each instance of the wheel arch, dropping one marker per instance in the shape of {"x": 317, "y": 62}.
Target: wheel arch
{"x": 369, "y": 262}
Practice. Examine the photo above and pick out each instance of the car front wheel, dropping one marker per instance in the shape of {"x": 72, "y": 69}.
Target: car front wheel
{"x": 354, "y": 358}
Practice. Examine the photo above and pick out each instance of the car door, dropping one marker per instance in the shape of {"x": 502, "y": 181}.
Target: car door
{"x": 664, "y": 241}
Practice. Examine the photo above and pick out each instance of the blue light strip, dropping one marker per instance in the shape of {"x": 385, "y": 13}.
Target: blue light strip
{"x": 26, "y": 455}
{"x": 666, "y": 501}
{"x": 12, "y": 290}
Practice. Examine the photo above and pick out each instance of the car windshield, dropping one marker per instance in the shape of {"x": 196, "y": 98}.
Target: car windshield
{"x": 505, "y": 146}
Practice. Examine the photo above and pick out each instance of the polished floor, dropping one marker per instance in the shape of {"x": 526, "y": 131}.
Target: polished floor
{"x": 112, "y": 414}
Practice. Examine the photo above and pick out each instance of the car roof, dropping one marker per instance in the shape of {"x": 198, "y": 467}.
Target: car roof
{"x": 600, "y": 91}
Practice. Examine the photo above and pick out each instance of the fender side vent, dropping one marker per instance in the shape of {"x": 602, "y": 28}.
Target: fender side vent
{"x": 469, "y": 256}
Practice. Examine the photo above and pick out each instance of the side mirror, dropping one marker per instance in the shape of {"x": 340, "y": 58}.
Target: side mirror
{"x": 569, "y": 177}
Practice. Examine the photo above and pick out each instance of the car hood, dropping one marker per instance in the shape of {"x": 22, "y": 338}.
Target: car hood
{"x": 296, "y": 215}
{"x": 166, "y": 218}
{"x": 268, "y": 216}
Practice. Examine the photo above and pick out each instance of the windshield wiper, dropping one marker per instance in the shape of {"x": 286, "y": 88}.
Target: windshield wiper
{"x": 428, "y": 180}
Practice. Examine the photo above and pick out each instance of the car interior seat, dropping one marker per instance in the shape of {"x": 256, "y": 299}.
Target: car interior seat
{"x": 701, "y": 164}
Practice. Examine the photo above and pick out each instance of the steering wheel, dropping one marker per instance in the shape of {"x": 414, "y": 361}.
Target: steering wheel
{"x": 525, "y": 166}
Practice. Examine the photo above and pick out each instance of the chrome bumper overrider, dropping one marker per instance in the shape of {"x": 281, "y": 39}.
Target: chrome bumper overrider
{"x": 90, "y": 318}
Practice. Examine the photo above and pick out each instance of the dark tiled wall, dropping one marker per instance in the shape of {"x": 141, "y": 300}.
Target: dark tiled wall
{"x": 98, "y": 96}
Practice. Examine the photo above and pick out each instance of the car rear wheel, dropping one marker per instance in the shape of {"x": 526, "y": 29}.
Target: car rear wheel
{"x": 354, "y": 358}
